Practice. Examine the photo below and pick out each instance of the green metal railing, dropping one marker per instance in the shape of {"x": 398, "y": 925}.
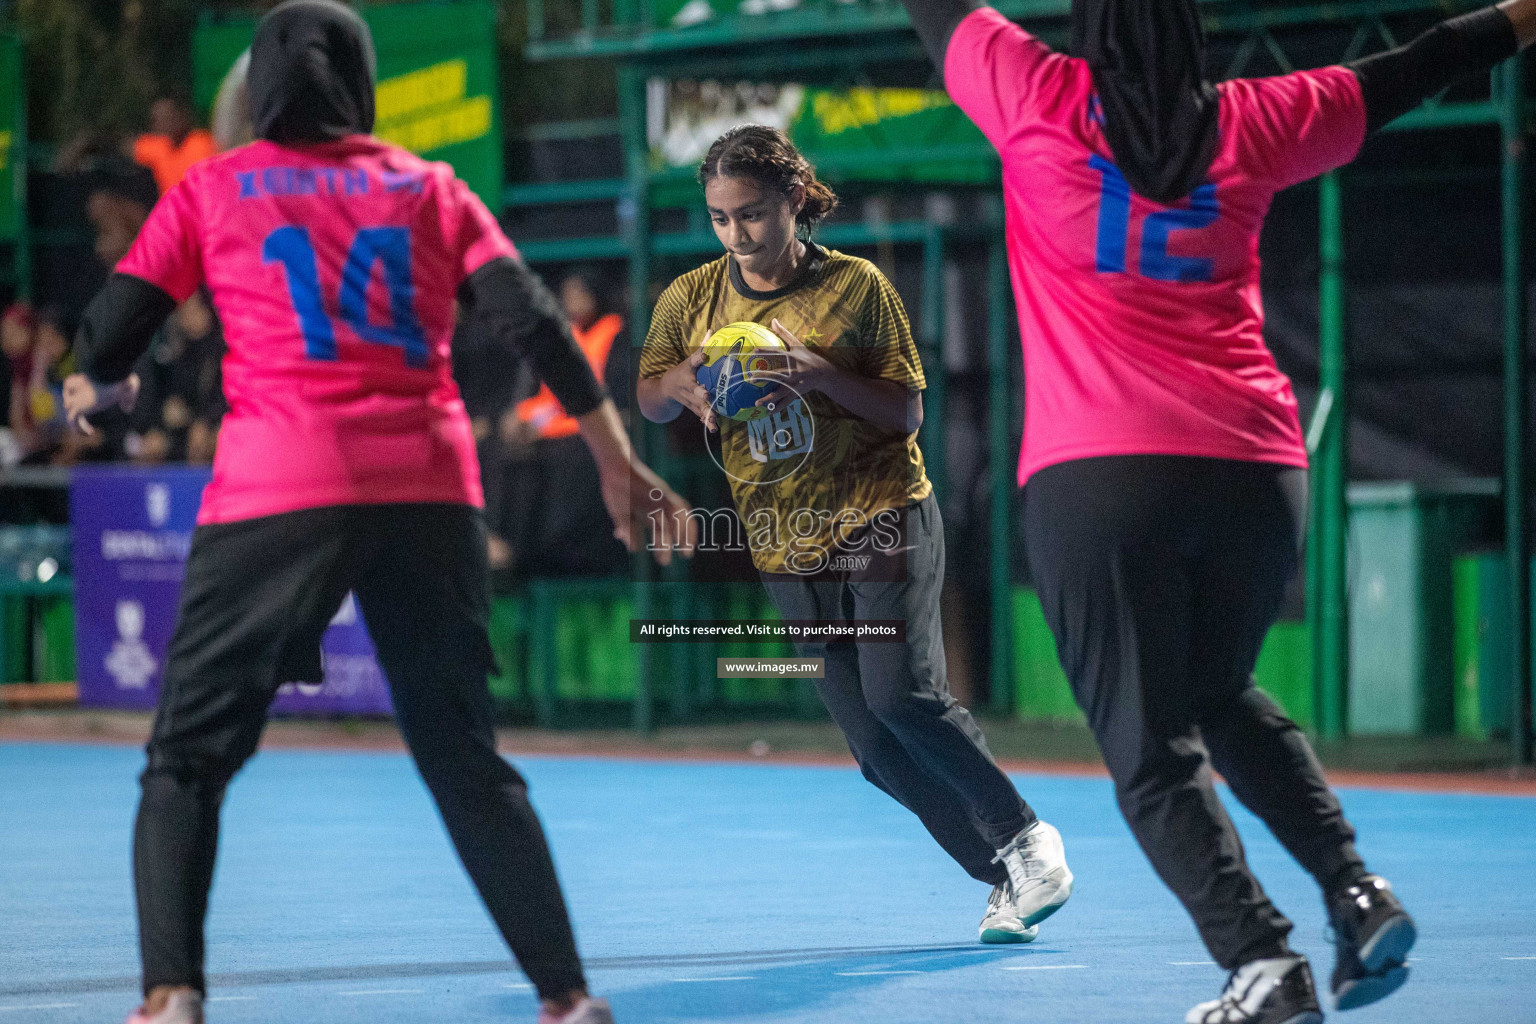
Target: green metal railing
{"x": 1327, "y": 585}
{"x": 1328, "y": 436}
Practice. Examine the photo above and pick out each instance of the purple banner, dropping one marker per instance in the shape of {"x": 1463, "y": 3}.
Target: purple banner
{"x": 131, "y": 530}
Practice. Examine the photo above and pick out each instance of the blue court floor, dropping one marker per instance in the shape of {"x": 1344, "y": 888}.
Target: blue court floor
{"x": 702, "y": 892}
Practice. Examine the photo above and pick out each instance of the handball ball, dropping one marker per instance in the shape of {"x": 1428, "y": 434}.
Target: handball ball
{"x": 739, "y": 368}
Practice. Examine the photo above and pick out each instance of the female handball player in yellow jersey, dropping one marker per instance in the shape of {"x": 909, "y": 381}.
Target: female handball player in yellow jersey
{"x": 838, "y": 513}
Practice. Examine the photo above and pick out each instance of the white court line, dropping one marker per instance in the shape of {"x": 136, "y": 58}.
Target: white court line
{"x": 231, "y": 999}
{"x": 386, "y": 992}
{"x": 39, "y": 1006}
{"x": 1048, "y": 967}
{"x": 738, "y": 977}
{"x": 1518, "y": 958}
{"x": 870, "y": 974}
{"x": 1191, "y": 963}
{"x": 520, "y": 985}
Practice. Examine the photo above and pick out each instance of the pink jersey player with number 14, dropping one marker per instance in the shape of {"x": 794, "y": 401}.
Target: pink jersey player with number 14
{"x": 346, "y": 463}
{"x": 334, "y": 270}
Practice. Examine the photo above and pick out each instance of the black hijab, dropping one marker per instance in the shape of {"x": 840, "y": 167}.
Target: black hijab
{"x": 1148, "y": 64}
{"x": 312, "y": 73}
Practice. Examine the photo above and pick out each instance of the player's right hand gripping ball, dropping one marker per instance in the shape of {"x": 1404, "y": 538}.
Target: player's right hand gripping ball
{"x": 739, "y": 368}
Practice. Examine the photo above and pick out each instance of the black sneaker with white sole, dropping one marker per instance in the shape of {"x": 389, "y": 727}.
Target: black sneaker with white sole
{"x": 1374, "y": 934}
{"x": 1273, "y": 991}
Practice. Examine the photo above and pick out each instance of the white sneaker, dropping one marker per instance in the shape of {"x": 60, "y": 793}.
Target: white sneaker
{"x": 1037, "y": 872}
{"x": 1002, "y": 924}
{"x": 182, "y": 1008}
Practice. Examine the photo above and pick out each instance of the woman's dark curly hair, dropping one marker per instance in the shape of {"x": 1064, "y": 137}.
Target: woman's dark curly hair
{"x": 768, "y": 157}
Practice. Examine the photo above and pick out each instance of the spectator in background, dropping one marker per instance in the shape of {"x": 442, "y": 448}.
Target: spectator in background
{"x": 598, "y": 330}
{"x": 121, "y": 194}
{"x": 18, "y": 335}
{"x": 181, "y": 400}
{"x": 544, "y": 507}
{"x": 51, "y": 363}
{"x": 50, "y": 441}
{"x": 37, "y": 347}
{"x": 173, "y": 142}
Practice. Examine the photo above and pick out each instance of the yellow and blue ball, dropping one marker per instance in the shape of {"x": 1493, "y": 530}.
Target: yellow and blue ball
{"x": 739, "y": 368}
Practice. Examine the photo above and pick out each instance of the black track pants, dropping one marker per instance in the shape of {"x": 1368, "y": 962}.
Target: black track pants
{"x": 892, "y": 701}
{"x": 1160, "y": 576}
{"x": 257, "y": 596}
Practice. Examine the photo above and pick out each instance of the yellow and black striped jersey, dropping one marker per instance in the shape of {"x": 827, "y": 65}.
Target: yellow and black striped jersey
{"x": 808, "y": 473}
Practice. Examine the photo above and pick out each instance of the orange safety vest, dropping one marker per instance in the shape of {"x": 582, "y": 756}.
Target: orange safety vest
{"x": 543, "y": 410}
{"x": 168, "y": 161}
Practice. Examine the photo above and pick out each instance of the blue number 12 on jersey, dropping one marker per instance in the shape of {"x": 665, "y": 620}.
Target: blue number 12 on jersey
{"x": 291, "y": 247}
{"x": 1115, "y": 226}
